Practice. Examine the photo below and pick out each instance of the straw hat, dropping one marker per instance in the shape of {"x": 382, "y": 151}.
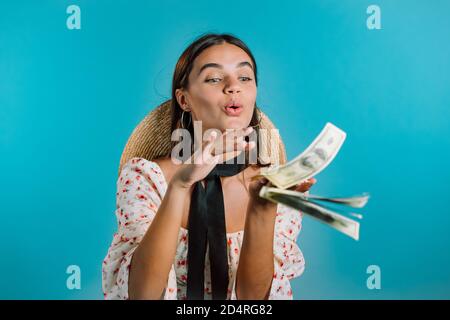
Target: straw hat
{"x": 151, "y": 138}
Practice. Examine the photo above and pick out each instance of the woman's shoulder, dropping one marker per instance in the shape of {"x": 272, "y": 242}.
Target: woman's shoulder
{"x": 139, "y": 176}
{"x": 151, "y": 169}
{"x": 167, "y": 167}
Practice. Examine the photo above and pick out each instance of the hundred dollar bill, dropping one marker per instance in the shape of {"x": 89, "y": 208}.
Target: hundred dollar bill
{"x": 355, "y": 201}
{"x": 310, "y": 162}
{"x": 290, "y": 198}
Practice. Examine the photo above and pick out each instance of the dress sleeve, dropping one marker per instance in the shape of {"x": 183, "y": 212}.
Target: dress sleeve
{"x": 139, "y": 189}
{"x": 288, "y": 259}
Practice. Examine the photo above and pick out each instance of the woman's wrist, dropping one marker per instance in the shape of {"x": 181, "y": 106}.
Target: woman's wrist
{"x": 265, "y": 210}
{"x": 179, "y": 186}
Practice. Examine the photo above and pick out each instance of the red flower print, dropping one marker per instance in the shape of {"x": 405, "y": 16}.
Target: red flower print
{"x": 141, "y": 197}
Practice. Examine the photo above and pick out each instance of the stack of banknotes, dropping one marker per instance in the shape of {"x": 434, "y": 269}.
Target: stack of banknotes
{"x": 333, "y": 211}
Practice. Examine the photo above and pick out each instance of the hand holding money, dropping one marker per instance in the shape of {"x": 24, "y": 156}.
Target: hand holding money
{"x": 257, "y": 184}
{"x": 293, "y": 179}
{"x": 305, "y": 185}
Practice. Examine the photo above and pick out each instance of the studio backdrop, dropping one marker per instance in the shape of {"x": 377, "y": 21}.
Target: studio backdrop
{"x": 76, "y": 77}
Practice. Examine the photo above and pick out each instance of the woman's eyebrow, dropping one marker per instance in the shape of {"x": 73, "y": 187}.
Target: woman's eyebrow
{"x": 219, "y": 66}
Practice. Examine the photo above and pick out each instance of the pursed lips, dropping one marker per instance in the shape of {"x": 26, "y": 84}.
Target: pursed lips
{"x": 233, "y": 108}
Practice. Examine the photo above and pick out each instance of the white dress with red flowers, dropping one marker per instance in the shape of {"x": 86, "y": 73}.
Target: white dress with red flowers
{"x": 140, "y": 189}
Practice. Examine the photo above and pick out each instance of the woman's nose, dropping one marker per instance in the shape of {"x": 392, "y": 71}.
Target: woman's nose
{"x": 232, "y": 86}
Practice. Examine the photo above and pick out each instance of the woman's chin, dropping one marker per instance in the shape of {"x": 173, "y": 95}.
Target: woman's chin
{"x": 235, "y": 123}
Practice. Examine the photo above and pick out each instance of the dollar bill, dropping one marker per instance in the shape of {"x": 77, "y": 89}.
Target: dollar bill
{"x": 294, "y": 199}
{"x": 354, "y": 201}
{"x": 310, "y": 162}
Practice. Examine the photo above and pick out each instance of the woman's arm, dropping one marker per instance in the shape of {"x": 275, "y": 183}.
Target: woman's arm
{"x": 154, "y": 256}
{"x": 256, "y": 262}
{"x": 255, "y": 271}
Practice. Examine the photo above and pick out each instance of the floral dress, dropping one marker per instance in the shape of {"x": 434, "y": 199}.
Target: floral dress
{"x": 140, "y": 189}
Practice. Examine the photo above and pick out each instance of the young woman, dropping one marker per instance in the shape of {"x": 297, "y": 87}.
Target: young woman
{"x": 240, "y": 245}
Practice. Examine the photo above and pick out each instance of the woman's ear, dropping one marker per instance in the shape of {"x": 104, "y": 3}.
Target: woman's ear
{"x": 181, "y": 99}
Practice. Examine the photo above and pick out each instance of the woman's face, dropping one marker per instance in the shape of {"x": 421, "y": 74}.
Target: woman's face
{"x": 222, "y": 75}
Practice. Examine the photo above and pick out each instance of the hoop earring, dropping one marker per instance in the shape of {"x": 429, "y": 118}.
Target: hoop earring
{"x": 182, "y": 120}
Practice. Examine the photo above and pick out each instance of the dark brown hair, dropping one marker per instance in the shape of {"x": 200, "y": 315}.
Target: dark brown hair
{"x": 184, "y": 67}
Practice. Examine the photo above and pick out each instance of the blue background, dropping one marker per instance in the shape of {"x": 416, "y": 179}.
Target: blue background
{"x": 69, "y": 99}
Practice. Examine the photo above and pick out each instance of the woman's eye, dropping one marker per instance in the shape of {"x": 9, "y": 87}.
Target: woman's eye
{"x": 214, "y": 80}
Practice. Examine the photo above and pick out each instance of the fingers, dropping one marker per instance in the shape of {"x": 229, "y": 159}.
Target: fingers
{"x": 207, "y": 150}
{"x": 234, "y": 140}
{"x": 306, "y": 185}
{"x": 224, "y": 146}
{"x": 236, "y": 150}
{"x": 238, "y": 132}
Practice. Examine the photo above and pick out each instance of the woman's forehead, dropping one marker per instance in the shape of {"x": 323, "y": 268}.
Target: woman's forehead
{"x": 227, "y": 55}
